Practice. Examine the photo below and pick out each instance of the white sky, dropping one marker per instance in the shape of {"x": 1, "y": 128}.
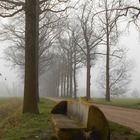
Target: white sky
{"x": 133, "y": 43}
{"x": 9, "y": 81}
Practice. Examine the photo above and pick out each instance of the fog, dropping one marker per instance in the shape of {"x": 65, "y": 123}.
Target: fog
{"x": 129, "y": 40}
{"x": 11, "y": 83}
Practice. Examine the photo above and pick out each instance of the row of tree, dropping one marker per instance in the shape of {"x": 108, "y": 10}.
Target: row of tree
{"x": 56, "y": 41}
{"x": 82, "y": 39}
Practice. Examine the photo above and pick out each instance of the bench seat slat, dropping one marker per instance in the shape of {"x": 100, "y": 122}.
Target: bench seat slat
{"x": 62, "y": 121}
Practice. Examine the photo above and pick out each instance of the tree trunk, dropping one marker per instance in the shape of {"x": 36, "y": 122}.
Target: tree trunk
{"x": 107, "y": 58}
{"x": 75, "y": 83}
{"x": 107, "y": 74}
{"x": 62, "y": 82}
{"x": 68, "y": 77}
{"x": 88, "y": 74}
{"x": 67, "y": 81}
{"x": 58, "y": 81}
{"x": 71, "y": 73}
{"x": 30, "y": 90}
{"x": 37, "y": 49}
{"x": 74, "y": 76}
{"x": 65, "y": 84}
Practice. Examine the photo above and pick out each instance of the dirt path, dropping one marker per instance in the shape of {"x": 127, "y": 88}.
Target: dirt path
{"x": 124, "y": 116}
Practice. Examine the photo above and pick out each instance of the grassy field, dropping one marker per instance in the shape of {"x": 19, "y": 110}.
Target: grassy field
{"x": 16, "y": 126}
{"x": 4, "y": 100}
{"x": 126, "y": 102}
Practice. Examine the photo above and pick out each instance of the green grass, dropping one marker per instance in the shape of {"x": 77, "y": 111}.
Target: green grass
{"x": 119, "y": 128}
{"x": 17, "y": 126}
{"x": 7, "y": 100}
{"x": 122, "y": 131}
{"x": 127, "y": 102}
{"x": 20, "y": 126}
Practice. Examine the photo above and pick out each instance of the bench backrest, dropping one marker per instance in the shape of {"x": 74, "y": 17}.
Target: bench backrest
{"x": 78, "y": 112}
{"x": 85, "y": 113}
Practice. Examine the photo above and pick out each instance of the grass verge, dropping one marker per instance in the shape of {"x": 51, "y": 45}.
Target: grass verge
{"x": 120, "y": 132}
{"x": 127, "y": 102}
{"x": 17, "y": 126}
{"x": 9, "y": 100}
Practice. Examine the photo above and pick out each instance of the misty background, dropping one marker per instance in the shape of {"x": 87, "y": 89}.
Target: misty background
{"x": 11, "y": 84}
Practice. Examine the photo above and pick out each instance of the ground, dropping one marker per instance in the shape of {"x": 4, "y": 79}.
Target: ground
{"x": 121, "y": 115}
{"x": 124, "y": 116}
{"x": 16, "y": 126}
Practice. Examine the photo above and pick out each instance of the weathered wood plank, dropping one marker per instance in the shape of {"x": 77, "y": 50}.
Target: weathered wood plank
{"x": 64, "y": 122}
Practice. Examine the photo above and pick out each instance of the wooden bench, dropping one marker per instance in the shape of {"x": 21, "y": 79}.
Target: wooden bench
{"x": 79, "y": 120}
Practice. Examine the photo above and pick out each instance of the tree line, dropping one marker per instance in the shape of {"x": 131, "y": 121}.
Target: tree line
{"x": 58, "y": 37}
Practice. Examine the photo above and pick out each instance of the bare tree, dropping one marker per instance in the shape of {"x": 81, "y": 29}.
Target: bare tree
{"x": 31, "y": 35}
{"x": 52, "y": 78}
{"x": 31, "y": 57}
{"x": 71, "y": 53}
{"x": 16, "y": 52}
{"x": 91, "y": 38}
{"x": 66, "y": 46}
{"x": 31, "y": 8}
{"x": 109, "y": 22}
{"x": 120, "y": 74}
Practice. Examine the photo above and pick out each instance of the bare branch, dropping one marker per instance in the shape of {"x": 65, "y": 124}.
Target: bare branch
{"x": 17, "y": 3}
{"x": 4, "y": 15}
